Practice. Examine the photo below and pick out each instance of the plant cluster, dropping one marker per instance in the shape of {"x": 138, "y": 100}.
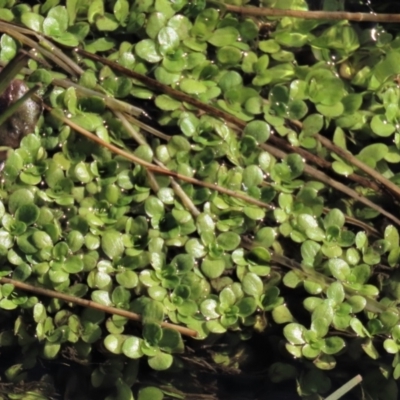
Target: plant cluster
{"x": 224, "y": 173}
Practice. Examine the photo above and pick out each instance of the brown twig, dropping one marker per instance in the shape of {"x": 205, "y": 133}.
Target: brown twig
{"x": 326, "y": 15}
{"x": 389, "y": 185}
{"x": 152, "y": 83}
{"x": 186, "y": 201}
{"x": 91, "y": 304}
{"x": 282, "y": 144}
{"x": 154, "y": 168}
{"x": 335, "y": 184}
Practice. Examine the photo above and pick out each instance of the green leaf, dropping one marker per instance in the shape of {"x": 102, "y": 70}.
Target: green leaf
{"x": 334, "y": 218}
{"x": 333, "y": 344}
{"x": 294, "y": 333}
{"x": 27, "y": 213}
{"x": 32, "y": 21}
{"x": 7, "y": 304}
{"x": 101, "y": 297}
{"x": 246, "y": 306}
{"x": 128, "y": 279}
{"x": 132, "y": 347}
{"x": 150, "y": 393}
{"x": 212, "y": 268}
{"x": 228, "y": 241}
{"x": 209, "y": 308}
{"x": 387, "y": 67}
{"x": 336, "y": 292}
{"x": 381, "y": 127}
{"x": 168, "y": 40}
{"x": 192, "y": 86}
{"x": 224, "y": 36}
{"x": 282, "y": 314}
{"x": 160, "y": 362}
{"x": 112, "y": 244}
{"x": 391, "y": 346}
{"x": 339, "y": 268}
{"x": 252, "y": 285}
{"x": 153, "y": 312}
{"x": 147, "y": 50}
{"x": 313, "y": 124}
{"x": 152, "y": 333}
{"x": 114, "y": 343}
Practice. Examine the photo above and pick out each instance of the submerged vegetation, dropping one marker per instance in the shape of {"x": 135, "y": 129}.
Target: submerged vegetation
{"x": 229, "y": 180}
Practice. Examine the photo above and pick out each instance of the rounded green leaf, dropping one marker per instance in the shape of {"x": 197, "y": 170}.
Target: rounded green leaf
{"x": 192, "y": 86}
{"x": 339, "y": 268}
{"x": 381, "y": 127}
{"x": 224, "y": 36}
{"x": 212, "y": 268}
{"x": 27, "y": 213}
{"x": 150, "y": 393}
{"x": 113, "y": 343}
{"x": 294, "y": 333}
{"x": 336, "y": 292}
{"x": 228, "y": 241}
{"x": 147, "y": 50}
{"x": 112, "y": 244}
{"x": 132, "y": 347}
{"x": 252, "y": 284}
{"x": 161, "y": 361}
{"x": 168, "y": 40}
{"x": 333, "y": 345}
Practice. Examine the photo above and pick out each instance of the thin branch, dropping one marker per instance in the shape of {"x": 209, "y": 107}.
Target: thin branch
{"x": 338, "y": 394}
{"x": 186, "y": 201}
{"x": 389, "y": 185}
{"x": 320, "y": 161}
{"x": 13, "y": 32}
{"x": 148, "y": 128}
{"x": 152, "y": 83}
{"x": 136, "y": 136}
{"x": 110, "y": 102}
{"x": 325, "y": 15}
{"x": 209, "y": 109}
{"x": 91, "y": 304}
{"x": 335, "y": 184}
{"x": 154, "y": 168}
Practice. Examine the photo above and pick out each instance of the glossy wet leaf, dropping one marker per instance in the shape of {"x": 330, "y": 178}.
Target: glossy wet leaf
{"x": 112, "y": 244}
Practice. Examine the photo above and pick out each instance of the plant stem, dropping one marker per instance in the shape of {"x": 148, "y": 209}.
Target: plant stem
{"x": 91, "y": 304}
{"x": 154, "y": 168}
{"x": 186, "y": 201}
{"x": 335, "y": 184}
{"x": 389, "y": 185}
{"x": 345, "y": 388}
{"x": 327, "y": 15}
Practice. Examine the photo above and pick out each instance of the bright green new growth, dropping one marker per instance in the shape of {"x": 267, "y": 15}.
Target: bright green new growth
{"x": 275, "y": 246}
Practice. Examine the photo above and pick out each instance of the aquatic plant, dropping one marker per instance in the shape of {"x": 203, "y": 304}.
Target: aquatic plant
{"x": 223, "y": 177}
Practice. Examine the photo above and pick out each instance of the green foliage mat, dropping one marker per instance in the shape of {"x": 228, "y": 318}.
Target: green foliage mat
{"x": 229, "y": 180}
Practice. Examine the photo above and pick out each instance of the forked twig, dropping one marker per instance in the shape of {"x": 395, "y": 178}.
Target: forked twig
{"x": 154, "y": 168}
